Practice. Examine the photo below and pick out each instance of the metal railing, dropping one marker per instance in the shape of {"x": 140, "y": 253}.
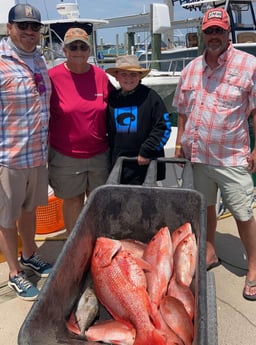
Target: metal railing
{"x": 173, "y": 66}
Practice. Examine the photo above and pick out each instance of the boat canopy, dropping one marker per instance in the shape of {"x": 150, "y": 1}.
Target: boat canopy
{"x": 54, "y": 31}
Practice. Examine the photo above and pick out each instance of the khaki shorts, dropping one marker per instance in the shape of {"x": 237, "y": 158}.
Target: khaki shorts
{"x": 235, "y": 184}
{"x": 70, "y": 177}
{"x": 21, "y": 189}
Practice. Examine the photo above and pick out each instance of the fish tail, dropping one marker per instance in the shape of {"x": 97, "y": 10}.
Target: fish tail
{"x": 158, "y": 338}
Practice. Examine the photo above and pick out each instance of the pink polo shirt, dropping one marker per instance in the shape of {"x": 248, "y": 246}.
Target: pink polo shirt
{"x": 217, "y": 104}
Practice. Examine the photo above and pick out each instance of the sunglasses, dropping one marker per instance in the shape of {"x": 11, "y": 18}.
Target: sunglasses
{"x": 217, "y": 31}
{"x": 39, "y": 83}
{"x": 25, "y": 25}
{"x": 74, "y": 47}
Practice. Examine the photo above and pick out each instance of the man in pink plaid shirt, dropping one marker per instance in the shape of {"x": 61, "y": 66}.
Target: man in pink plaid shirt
{"x": 214, "y": 98}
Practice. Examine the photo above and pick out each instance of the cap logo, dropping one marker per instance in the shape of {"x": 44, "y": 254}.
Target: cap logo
{"x": 215, "y": 14}
{"x": 28, "y": 11}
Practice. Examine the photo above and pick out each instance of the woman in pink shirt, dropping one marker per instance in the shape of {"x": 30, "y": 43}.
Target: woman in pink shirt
{"x": 78, "y": 155}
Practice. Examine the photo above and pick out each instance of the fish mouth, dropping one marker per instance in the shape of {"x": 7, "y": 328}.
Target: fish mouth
{"x": 107, "y": 252}
{"x": 118, "y": 250}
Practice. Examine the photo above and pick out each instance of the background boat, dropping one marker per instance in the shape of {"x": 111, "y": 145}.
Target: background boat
{"x": 165, "y": 60}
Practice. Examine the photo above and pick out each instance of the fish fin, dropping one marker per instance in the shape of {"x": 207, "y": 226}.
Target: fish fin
{"x": 154, "y": 316}
{"x": 143, "y": 264}
{"x": 72, "y": 324}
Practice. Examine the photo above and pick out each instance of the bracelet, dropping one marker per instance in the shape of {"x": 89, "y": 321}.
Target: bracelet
{"x": 178, "y": 147}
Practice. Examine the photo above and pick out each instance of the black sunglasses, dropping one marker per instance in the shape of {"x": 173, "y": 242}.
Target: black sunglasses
{"x": 25, "y": 25}
{"x": 74, "y": 47}
{"x": 217, "y": 31}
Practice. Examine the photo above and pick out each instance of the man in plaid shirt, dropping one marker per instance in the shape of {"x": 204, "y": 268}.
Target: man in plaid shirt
{"x": 214, "y": 98}
{"x": 25, "y": 91}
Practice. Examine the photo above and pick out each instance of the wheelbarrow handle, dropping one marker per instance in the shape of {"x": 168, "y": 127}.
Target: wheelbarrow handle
{"x": 116, "y": 172}
{"x": 187, "y": 172}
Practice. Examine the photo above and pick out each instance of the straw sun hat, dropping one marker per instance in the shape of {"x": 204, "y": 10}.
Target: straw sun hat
{"x": 128, "y": 63}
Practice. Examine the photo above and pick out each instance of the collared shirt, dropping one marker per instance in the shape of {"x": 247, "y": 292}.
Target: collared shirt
{"x": 217, "y": 103}
{"x": 24, "y": 110}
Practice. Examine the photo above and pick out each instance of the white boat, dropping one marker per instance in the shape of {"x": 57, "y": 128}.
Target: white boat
{"x": 163, "y": 79}
{"x": 54, "y": 30}
{"x": 243, "y": 32}
{"x": 166, "y": 71}
{"x": 52, "y": 40}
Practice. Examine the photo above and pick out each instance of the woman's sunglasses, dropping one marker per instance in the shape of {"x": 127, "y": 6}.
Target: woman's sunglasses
{"x": 217, "y": 31}
{"x": 74, "y": 47}
{"x": 25, "y": 25}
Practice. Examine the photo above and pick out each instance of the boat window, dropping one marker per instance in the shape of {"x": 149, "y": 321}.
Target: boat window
{"x": 246, "y": 37}
{"x": 191, "y": 39}
{"x": 242, "y": 15}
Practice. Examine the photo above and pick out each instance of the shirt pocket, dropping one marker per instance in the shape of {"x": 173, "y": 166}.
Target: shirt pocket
{"x": 189, "y": 92}
{"x": 232, "y": 92}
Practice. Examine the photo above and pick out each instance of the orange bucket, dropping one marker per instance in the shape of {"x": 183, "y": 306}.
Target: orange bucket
{"x": 49, "y": 218}
{"x": 2, "y": 257}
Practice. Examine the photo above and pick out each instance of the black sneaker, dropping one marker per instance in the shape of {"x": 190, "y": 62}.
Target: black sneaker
{"x": 37, "y": 264}
{"x": 23, "y": 287}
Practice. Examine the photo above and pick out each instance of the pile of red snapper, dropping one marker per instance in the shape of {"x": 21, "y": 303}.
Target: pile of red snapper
{"x": 146, "y": 289}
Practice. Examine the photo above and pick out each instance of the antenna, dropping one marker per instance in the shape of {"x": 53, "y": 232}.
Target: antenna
{"x": 47, "y": 15}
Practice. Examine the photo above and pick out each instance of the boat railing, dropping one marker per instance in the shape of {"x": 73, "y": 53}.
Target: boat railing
{"x": 172, "y": 66}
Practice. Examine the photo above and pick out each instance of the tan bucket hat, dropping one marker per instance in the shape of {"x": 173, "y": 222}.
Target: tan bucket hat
{"x": 127, "y": 63}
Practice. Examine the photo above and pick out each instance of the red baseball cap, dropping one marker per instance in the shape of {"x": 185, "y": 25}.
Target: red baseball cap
{"x": 216, "y": 17}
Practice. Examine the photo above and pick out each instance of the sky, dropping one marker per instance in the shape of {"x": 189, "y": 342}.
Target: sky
{"x": 103, "y": 9}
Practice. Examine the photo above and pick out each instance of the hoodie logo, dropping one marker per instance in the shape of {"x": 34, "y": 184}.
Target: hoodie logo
{"x": 126, "y": 119}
